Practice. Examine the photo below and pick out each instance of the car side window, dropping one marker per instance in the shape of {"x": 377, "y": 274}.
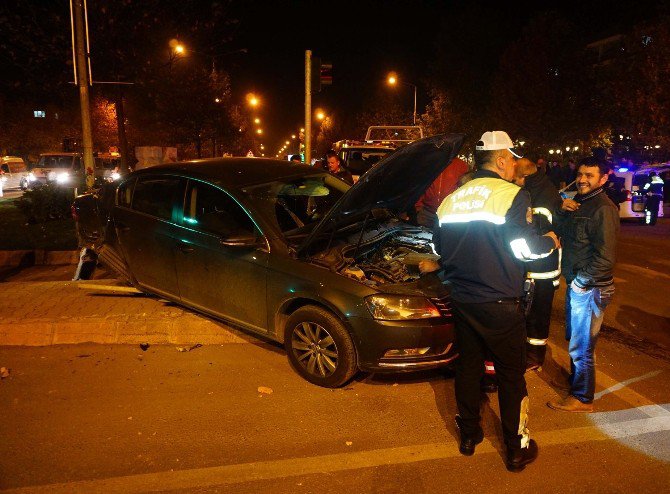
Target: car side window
{"x": 156, "y": 195}
{"x": 211, "y": 210}
{"x": 125, "y": 193}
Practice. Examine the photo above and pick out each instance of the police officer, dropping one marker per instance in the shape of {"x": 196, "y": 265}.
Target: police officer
{"x": 543, "y": 273}
{"x": 654, "y": 190}
{"x": 484, "y": 233}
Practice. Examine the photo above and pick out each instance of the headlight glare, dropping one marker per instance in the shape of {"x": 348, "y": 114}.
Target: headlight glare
{"x": 62, "y": 177}
{"x": 400, "y": 307}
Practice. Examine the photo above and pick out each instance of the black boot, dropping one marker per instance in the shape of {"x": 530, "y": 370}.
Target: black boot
{"x": 517, "y": 458}
{"x": 468, "y": 443}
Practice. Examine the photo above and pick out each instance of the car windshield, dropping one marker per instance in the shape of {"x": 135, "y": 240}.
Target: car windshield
{"x": 55, "y": 162}
{"x": 300, "y": 203}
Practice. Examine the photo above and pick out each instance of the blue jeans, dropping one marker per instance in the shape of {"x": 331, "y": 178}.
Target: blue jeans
{"x": 584, "y": 313}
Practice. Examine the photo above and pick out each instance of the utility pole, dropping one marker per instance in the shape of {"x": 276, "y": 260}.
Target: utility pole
{"x": 82, "y": 80}
{"x": 308, "y": 107}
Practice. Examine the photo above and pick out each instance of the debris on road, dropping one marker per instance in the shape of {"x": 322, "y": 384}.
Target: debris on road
{"x": 188, "y": 348}
{"x": 144, "y": 346}
{"x": 4, "y": 372}
{"x": 264, "y": 390}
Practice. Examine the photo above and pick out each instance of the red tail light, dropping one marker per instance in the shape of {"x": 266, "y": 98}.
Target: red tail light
{"x": 629, "y": 196}
{"x": 75, "y": 215}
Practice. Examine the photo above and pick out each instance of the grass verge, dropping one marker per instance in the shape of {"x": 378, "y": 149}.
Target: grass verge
{"x": 17, "y": 234}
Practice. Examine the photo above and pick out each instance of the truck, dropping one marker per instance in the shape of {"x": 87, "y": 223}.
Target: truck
{"x": 358, "y": 156}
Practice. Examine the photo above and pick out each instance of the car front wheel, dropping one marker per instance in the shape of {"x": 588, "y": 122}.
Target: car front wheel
{"x": 319, "y": 347}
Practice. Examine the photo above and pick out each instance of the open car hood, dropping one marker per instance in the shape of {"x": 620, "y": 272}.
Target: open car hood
{"x": 394, "y": 183}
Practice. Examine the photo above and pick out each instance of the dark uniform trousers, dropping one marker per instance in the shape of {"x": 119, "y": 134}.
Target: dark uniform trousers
{"x": 496, "y": 329}
{"x": 538, "y": 320}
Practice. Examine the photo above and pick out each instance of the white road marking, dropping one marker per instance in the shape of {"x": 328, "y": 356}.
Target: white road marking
{"x": 268, "y": 470}
{"x": 625, "y": 383}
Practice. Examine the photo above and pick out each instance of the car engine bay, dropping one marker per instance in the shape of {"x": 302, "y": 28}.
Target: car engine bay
{"x": 386, "y": 254}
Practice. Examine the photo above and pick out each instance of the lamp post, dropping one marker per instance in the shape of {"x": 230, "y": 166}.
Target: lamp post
{"x": 393, "y": 80}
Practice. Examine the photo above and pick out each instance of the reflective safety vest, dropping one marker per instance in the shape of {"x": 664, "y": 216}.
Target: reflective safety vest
{"x": 483, "y": 198}
{"x": 655, "y": 186}
{"x": 484, "y": 230}
{"x": 555, "y": 273}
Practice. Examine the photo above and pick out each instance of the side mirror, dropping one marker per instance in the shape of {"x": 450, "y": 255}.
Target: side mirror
{"x": 243, "y": 241}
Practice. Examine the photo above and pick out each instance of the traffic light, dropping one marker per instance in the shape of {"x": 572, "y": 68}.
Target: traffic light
{"x": 322, "y": 74}
{"x": 326, "y": 74}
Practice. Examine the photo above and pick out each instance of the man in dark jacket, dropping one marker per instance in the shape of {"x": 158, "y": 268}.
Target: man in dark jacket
{"x": 588, "y": 228}
{"x": 545, "y": 272}
{"x": 484, "y": 234}
{"x": 335, "y": 167}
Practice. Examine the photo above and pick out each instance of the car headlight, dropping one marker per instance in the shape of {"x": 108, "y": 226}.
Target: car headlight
{"x": 31, "y": 177}
{"x": 400, "y": 307}
{"x": 115, "y": 176}
{"x": 62, "y": 177}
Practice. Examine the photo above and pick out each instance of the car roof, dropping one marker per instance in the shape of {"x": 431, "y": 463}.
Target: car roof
{"x": 59, "y": 154}
{"x": 235, "y": 172}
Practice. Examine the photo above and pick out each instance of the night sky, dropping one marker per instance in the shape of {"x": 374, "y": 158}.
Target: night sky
{"x": 365, "y": 40}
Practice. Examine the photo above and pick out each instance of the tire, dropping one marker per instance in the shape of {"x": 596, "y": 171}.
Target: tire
{"x": 319, "y": 347}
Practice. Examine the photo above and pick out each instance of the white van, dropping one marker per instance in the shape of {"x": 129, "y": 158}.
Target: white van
{"x": 633, "y": 182}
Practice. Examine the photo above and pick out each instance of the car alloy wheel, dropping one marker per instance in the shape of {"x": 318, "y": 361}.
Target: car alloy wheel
{"x": 319, "y": 347}
{"x": 315, "y": 349}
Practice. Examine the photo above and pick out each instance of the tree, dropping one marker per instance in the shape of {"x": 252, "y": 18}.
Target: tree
{"x": 636, "y": 90}
{"x": 544, "y": 89}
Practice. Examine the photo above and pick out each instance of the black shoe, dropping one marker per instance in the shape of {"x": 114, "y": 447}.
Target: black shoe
{"x": 468, "y": 443}
{"x": 517, "y": 459}
{"x": 489, "y": 387}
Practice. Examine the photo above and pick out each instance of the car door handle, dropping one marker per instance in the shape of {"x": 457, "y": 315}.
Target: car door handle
{"x": 185, "y": 248}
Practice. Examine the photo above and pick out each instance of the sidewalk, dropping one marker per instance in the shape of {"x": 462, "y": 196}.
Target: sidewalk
{"x": 58, "y": 312}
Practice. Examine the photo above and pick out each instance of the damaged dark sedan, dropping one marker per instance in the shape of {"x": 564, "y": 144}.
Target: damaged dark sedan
{"x": 289, "y": 252}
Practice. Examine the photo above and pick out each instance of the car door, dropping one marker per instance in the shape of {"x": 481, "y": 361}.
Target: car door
{"x": 144, "y": 220}
{"x": 214, "y": 275}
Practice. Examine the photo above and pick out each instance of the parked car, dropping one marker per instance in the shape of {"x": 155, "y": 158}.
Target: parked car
{"x": 289, "y": 252}
{"x": 13, "y": 169}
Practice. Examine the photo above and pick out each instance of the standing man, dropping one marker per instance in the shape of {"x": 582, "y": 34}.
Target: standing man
{"x": 654, "y": 190}
{"x": 484, "y": 233}
{"x": 335, "y": 167}
{"x": 588, "y": 227}
{"x": 545, "y": 272}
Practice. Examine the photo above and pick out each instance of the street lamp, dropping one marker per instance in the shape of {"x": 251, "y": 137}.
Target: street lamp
{"x": 252, "y": 100}
{"x": 393, "y": 80}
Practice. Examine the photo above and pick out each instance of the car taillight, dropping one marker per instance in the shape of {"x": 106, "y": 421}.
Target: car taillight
{"x": 75, "y": 215}
{"x": 629, "y": 195}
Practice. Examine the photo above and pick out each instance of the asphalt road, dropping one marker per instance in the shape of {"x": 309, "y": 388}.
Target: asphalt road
{"x": 114, "y": 418}
{"x": 95, "y": 418}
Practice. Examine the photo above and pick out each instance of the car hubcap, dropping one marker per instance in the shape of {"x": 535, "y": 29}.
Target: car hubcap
{"x": 315, "y": 349}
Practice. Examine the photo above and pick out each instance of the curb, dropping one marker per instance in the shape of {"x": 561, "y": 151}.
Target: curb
{"x": 155, "y": 331}
{"x": 37, "y": 257}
